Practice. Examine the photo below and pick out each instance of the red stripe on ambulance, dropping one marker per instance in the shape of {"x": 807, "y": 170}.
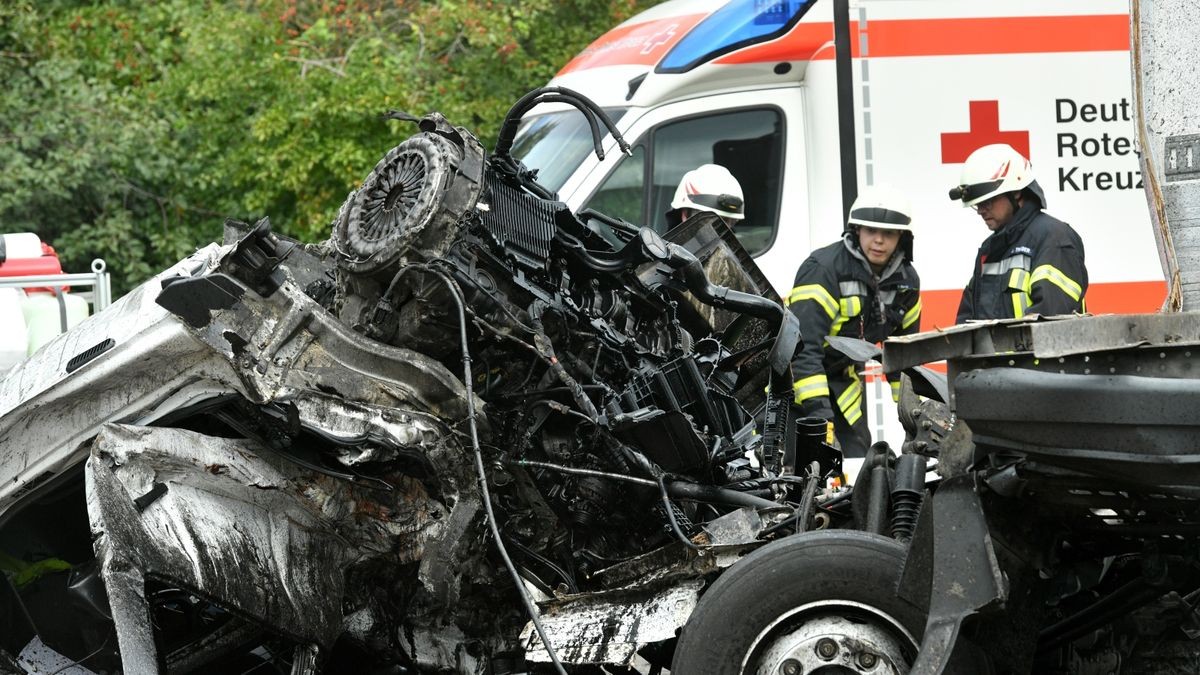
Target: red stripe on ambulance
{"x": 950, "y": 37}
{"x": 939, "y": 307}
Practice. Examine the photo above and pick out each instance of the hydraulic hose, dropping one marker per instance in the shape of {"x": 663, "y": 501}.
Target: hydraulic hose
{"x": 787, "y": 335}
{"x": 719, "y": 495}
{"x": 589, "y": 109}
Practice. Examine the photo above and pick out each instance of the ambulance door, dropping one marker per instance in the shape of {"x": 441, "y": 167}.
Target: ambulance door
{"x": 758, "y": 136}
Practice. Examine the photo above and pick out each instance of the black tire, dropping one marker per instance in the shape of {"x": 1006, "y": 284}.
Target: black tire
{"x": 777, "y": 595}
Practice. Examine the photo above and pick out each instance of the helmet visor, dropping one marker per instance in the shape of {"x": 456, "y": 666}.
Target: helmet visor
{"x": 722, "y": 202}
{"x": 877, "y": 216}
{"x": 969, "y": 194}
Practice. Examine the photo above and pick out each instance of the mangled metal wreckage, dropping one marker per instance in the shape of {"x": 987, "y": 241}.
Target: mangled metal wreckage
{"x": 381, "y": 450}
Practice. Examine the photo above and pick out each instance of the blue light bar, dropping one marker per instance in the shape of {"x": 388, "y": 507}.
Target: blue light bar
{"x": 736, "y": 25}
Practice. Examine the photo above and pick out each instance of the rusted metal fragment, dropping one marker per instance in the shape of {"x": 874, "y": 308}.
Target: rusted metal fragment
{"x": 610, "y": 627}
{"x": 671, "y": 562}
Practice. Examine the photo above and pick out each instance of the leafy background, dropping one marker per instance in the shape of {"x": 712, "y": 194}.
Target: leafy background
{"x": 129, "y": 130}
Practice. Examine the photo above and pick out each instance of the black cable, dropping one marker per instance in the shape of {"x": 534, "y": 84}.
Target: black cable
{"x": 560, "y": 408}
{"x": 584, "y": 472}
{"x": 479, "y": 288}
{"x": 712, "y": 493}
{"x": 546, "y": 348}
{"x": 598, "y": 112}
{"x": 571, "y": 585}
{"x": 455, "y": 292}
{"x": 508, "y": 128}
{"x": 548, "y": 391}
{"x": 587, "y": 115}
{"x": 666, "y": 499}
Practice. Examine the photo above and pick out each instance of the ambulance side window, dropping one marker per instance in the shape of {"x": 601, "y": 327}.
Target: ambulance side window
{"x": 748, "y": 142}
{"x": 622, "y": 193}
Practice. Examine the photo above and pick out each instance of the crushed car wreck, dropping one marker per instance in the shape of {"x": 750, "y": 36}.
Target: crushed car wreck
{"x": 471, "y": 432}
{"x": 1057, "y": 536}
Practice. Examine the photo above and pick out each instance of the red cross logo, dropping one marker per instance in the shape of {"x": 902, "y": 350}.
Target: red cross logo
{"x": 661, "y": 37}
{"x": 985, "y": 129}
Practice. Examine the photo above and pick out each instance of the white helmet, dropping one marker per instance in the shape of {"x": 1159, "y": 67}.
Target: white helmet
{"x": 710, "y": 187}
{"x": 882, "y": 207}
{"x": 992, "y": 170}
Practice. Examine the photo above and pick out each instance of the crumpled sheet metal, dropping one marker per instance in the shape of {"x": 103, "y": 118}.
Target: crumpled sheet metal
{"x": 287, "y": 343}
{"x": 649, "y": 599}
{"x": 367, "y": 433}
{"x": 609, "y": 627}
{"x": 47, "y": 415}
{"x": 229, "y": 525}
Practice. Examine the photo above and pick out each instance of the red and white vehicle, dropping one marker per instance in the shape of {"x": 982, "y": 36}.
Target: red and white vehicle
{"x": 751, "y": 85}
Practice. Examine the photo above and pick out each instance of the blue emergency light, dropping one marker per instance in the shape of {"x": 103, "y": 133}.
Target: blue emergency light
{"x": 736, "y": 25}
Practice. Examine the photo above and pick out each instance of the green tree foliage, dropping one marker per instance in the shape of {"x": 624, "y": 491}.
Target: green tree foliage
{"x": 130, "y": 130}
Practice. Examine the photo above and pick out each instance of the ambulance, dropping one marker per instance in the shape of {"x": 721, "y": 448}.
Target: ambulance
{"x": 752, "y": 85}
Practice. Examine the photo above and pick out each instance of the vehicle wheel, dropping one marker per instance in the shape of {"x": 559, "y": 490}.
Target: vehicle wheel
{"x": 819, "y": 602}
{"x": 399, "y": 200}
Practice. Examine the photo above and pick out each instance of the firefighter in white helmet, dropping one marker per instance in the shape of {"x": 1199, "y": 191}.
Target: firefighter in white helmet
{"x": 1032, "y": 263}
{"x": 862, "y": 286}
{"x": 711, "y": 188}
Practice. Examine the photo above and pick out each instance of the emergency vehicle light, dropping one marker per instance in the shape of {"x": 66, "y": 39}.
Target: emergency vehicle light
{"x": 736, "y": 25}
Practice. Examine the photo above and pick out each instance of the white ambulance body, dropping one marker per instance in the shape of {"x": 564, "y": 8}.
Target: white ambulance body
{"x": 751, "y": 85}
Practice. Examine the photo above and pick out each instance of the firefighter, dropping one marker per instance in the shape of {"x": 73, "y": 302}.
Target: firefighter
{"x": 862, "y": 286}
{"x": 708, "y": 187}
{"x": 1032, "y": 263}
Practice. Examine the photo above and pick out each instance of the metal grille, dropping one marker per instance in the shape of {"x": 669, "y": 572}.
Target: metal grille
{"x": 521, "y": 224}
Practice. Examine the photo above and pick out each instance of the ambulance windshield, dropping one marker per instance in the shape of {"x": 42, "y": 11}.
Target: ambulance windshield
{"x": 555, "y": 144}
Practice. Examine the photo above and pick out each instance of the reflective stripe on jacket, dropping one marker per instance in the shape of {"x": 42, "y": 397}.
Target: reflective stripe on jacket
{"x": 836, "y": 293}
{"x": 1034, "y": 265}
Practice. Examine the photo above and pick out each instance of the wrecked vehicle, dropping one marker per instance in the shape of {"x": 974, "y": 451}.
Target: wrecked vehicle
{"x": 380, "y": 452}
{"x": 1058, "y": 535}
{"x": 1062, "y": 536}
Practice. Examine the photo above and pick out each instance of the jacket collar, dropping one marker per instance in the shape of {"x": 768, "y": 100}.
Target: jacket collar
{"x": 1019, "y": 223}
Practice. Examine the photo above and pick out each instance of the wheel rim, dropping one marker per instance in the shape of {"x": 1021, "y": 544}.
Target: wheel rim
{"x": 832, "y": 636}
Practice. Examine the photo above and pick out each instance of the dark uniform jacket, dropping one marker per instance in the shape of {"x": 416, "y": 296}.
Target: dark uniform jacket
{"x": 836, "y": 293}
{"x": 1034, "y": 265}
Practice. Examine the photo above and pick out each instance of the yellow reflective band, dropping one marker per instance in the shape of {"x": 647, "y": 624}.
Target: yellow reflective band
{"x": 853, "y": 416}
{"x": 1055, "y": 276}
{"x": 850, "y": 405}
{"x": 836, "y": 329}
{"x": 849, "y": 307}
{"x": 912, "y": 316}
{"x": 851, "y": 396}
{"x": 1019, "y": 279}
{"x": 810, "y": 387}
{"x": 1020, "y": 304}
{"x": 850, "y": 399}
{"x": 817, "y": 294}
{"x": 1018, "y": 282}
{"x": 895, "y": 391}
